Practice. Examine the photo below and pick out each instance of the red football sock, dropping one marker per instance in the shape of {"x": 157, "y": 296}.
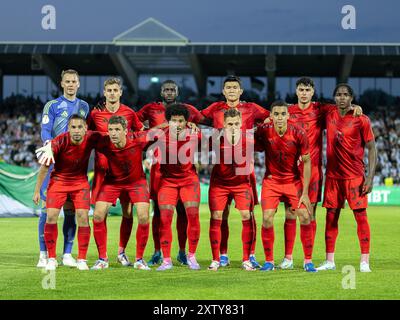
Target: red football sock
{"x": 306, "y": 236}
{"x": 363, "y": 230}
{"x": 125, "y": 233}
{"x": 314, "y": 228}
{"x": 142, "y": 235}
{"x": 193, "y": 230}
{"x": 155, "y": 227}
{"x": 247, "y": 238}
{"x": 268, "y": 238}
{"x": 331, "y": 229}
{"x": 50, "y": 236}
{"x": 181, "y": 225}
{"x": 290, "y": 236}
{"x": 83, "y": 241}
{"x": 166, "y": 232}
{"x": 254, "y": 232}
{"x": 100, "y": 236}
{"x": 224, "y": 237}
{"x": 215, "y": 237}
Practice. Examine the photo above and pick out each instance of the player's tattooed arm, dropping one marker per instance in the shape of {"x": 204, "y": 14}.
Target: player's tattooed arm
{"x": 372, "y": 158}
{"x": 40, "y": 178}
{"x": 306, "y": 178}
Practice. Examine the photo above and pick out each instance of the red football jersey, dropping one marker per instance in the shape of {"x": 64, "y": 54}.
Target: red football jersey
{"x": 236, "y": 162}
{"x": 282, "y": 153}
{"x": 251, "y": 114}
{"x": 71, "y": 161}
{"x": 346, "y": 139}
{"x": 125, "y": 164}
{"x": 155, "y": 114}
{"x": 177, "y": 158}
{"x": 312, "y": 121}
{"x": 98, "y": 120}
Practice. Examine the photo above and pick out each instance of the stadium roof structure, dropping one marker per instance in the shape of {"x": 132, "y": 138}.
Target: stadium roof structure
{"x": 151, "y": 47}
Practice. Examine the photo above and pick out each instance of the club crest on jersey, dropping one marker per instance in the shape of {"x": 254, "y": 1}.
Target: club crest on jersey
{"x": 64, "y": 114}
{"x": 45, "y": 119}
{"x": 82, "y": 112}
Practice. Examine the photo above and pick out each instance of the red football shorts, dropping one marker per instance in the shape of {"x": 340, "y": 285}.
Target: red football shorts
{"x": 315, "y": 187}
{"x": 100, "y": 169}
{"x": 187, "y": 190}
{"x": 338, "y": 190}
{"x": 135, "y": 192}
{"x": 219, "y": 195}
{"x": 155, "y": 180}
{"x": 78, "y": 193}
{"x": 274, "y": 192}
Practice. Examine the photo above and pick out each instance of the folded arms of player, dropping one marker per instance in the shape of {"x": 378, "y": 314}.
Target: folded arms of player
{"x": 306, "y": 178}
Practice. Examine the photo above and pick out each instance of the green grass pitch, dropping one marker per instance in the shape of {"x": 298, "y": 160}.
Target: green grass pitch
{"x": 20, "y": 279}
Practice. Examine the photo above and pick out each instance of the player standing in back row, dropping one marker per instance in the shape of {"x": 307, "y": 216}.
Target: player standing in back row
{"x": 311, "y": 117}
{"x": 251, "y": 115}
{"x": 98, "y": 121}
{"x": 56, "y": 114}
{"x": 347, "y": 138}
{"x": 154, "y": 114}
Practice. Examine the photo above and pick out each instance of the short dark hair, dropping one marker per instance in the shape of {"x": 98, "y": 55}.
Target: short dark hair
{"x": 347, "y": 86}
{"x": 278, "y": 103}
{"x": 176, "y": 109}
{"x": 233, "y": 79}
{"x": 231, "y": 113}
{"x": 308, "y": 82}
{"x": 77, "y": 117}
{"x": 118, "y": 120}
{"x": 168, "y": 82}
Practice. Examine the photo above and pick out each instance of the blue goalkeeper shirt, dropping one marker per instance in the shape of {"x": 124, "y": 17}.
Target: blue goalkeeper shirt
{"x": 56, "y": 114}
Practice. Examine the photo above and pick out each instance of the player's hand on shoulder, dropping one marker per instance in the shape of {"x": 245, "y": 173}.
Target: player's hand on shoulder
{"x": 357, "y": 110}
{"x": 267, "y": 120}
{"x": 193, "y": 126}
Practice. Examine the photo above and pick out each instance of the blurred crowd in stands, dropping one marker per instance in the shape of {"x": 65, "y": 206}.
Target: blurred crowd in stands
{"x": 20, "y": 118}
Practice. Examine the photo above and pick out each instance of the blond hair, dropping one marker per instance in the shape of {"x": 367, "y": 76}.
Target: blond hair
{"x": 111, "y": 81}
{"x": 69, "y": 71}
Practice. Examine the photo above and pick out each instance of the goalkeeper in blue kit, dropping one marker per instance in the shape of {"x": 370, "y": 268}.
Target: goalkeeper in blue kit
{"x": 56, "y": 114}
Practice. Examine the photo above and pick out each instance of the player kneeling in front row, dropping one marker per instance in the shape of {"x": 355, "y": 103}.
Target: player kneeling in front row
{"x": 71, "y": 151}
{"x": 125, "y": 179}
{"x": 283, "y": 144}
{"x": 230, "y": 178}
